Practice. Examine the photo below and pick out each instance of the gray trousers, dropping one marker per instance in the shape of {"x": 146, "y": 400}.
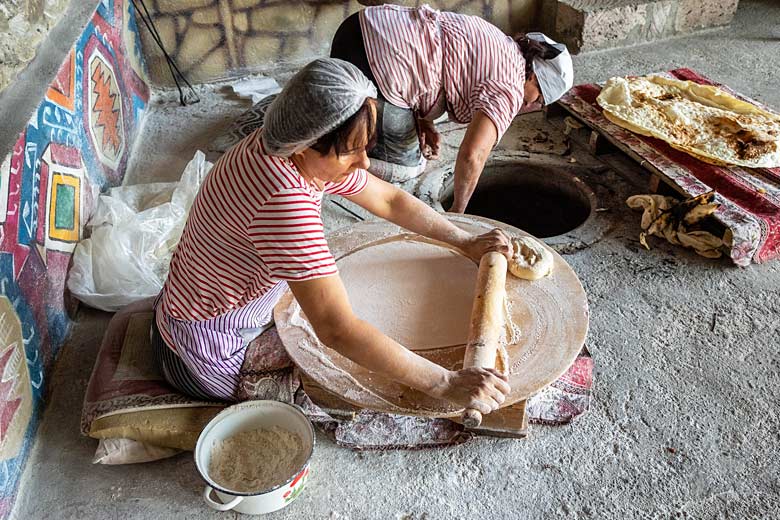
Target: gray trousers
{"x": 396, "y": 156}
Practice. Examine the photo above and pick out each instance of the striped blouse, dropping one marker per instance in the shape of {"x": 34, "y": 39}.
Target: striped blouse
{"x": 254, "y": 225}
{"x": 415, "y": 53}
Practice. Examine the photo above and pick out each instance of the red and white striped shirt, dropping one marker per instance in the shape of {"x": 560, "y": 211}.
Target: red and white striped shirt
{"x": 415, "y": 53}
{"x": 254, "y": 224}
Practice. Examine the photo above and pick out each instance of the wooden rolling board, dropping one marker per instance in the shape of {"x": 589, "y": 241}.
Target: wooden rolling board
{"x": 510, "y": 421}
{"x": 552, "y": 314}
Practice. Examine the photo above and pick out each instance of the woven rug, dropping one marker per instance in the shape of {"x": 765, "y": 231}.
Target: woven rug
{"x": 750, "y": 198}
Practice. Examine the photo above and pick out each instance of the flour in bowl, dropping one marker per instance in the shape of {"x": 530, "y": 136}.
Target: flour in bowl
{"x": 256, "y": 460}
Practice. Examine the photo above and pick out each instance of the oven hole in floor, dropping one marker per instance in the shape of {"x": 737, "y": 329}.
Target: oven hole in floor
{"x": 544, "y": 204}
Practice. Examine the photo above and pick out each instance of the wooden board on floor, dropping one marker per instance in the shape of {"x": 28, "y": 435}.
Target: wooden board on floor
{"x": 510, "y": 421}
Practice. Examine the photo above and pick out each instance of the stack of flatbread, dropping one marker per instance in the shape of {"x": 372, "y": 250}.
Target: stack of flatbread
{"x": 701, "y": 120}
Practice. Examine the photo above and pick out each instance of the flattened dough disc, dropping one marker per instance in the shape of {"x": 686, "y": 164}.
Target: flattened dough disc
{"x": 417, "y": 293}
{"x": 429, "y": 312}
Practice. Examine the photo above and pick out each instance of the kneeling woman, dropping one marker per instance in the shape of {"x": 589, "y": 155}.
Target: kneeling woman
{"x": 426, "y": 62}
{"x": 255, "y": 228}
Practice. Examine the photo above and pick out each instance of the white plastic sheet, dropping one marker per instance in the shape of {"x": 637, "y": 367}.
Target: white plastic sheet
{"x": 128, "y": 451}
{"x": 256, "y": 88}
{"x": 134, "y": 232}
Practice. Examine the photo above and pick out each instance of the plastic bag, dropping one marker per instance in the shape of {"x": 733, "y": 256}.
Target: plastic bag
{"x": 134, "y": 232}
{"x": 128, "y": 451}
{"x": 256, "y": 88}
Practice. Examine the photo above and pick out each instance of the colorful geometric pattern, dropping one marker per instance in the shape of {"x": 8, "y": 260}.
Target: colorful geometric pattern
{"x": 63, "y": 89}
{"x": 75, "y": 141}
{"x": 15, "y": 219}
{"x": 105, "y": 111}
{"x": 61, "y": 166}
{"x": 15, "y": 389}
{"x": 5, "y": 177}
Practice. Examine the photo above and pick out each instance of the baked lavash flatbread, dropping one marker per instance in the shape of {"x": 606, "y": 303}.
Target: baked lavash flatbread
{"x": 701, "y": 120}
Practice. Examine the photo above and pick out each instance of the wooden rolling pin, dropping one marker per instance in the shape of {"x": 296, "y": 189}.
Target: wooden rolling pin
{"x": 487, "y": 321}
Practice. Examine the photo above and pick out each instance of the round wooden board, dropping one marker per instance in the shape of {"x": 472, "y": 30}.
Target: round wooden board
{"x": 552, "y": 314}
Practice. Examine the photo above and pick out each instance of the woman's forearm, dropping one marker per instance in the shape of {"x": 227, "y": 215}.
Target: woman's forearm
{"x": 481, "y": 136}
{"x": 368, "y": 347}
{"x": 411, "y": 213}
{"x": 467, "y": 173}
{"x": 325, "y": 303}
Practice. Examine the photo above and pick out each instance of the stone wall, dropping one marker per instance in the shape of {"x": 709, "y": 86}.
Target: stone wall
{"x": 586, "y": 25}
{"x": 214, "y": 39}
{"x": 23, "y": 25}
{"x": 76, "y": 142}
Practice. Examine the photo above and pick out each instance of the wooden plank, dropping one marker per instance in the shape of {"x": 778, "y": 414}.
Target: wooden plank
{"x": 654, "y": 183}
{"x": 510, "y": 421}
{"x": 598, "y": 145}
{"x": 627, "y": 150}
{"x": 554, "y": 111}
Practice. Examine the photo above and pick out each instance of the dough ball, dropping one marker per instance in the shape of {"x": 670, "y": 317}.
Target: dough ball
{"x": 530, "y": 259}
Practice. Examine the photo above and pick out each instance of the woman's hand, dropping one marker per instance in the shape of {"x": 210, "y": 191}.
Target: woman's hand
{"x": 430, "y": 140}
{"x": 494, "y": 240}
{"x": 483, "y": 389}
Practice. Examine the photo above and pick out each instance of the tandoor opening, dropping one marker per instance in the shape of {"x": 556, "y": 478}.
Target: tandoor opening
{"x": 544, "y": 203}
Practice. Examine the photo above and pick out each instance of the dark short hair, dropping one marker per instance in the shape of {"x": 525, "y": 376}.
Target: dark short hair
{"x": 532, "y": 49}
{"x": 338, "y": 139}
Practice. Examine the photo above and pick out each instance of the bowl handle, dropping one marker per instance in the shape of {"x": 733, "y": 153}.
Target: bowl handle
{"x": 218, "y": 505}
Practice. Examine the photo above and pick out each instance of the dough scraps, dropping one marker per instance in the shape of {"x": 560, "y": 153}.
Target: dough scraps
{"x": 502, "y": 359}
{"x": 530, "y": 259}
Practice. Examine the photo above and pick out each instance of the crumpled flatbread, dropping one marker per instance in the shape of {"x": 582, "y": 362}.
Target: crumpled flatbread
{"x": 676, "y": 221}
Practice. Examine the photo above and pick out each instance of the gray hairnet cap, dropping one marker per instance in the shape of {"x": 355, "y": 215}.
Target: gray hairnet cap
{"x": 316, "y": 101}
{"x": 556, "y": 75}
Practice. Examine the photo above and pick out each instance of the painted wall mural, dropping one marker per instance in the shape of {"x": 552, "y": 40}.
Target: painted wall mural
{"x": 74, "y": 146}
{"x": 212, "y": 39}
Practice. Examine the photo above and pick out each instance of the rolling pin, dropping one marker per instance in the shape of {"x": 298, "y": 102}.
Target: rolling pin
{"x": 487, "y": 321}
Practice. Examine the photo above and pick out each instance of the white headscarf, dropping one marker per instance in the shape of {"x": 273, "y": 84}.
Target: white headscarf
{"x": 556, "y": 75}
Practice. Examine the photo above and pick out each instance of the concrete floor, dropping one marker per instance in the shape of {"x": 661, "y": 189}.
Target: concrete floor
{"x": 684, "y": 420}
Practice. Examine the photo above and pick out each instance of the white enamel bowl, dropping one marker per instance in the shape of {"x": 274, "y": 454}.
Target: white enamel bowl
{"x": 246, "y": 416}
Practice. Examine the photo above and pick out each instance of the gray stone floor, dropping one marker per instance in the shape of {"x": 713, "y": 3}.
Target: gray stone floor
{"x": 684, "y": 420}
